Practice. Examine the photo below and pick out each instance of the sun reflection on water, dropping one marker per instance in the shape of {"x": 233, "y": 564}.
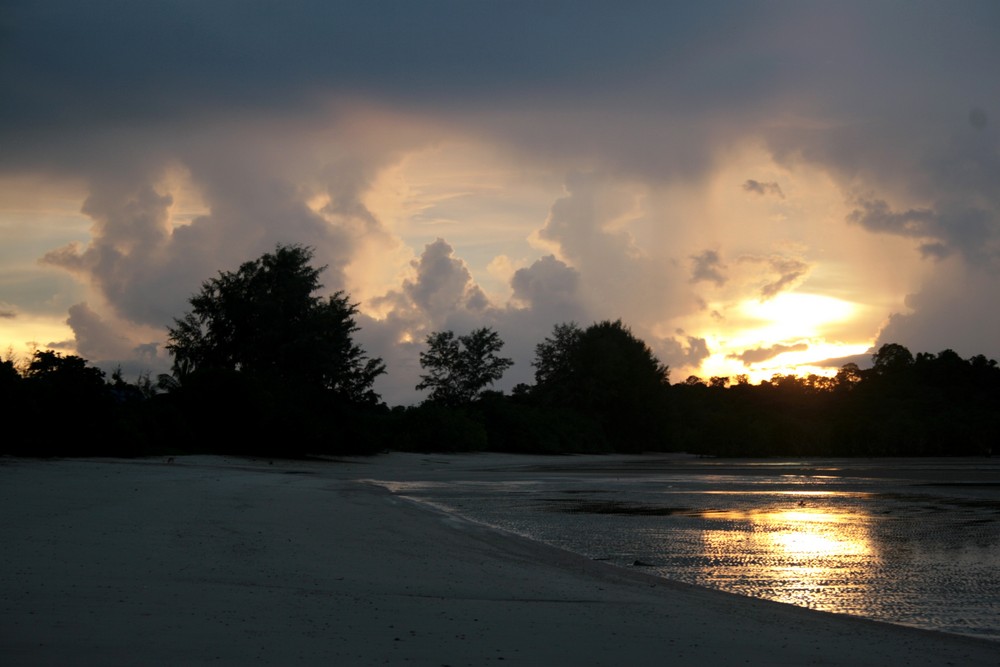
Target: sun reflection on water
{"x": 803, "y": 556}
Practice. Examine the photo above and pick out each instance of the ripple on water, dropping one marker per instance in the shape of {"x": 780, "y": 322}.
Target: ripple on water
{"x": 877, "y": 545}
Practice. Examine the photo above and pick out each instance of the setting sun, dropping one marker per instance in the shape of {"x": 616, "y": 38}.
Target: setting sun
{"x": 794, "y": 315}
{"x": 790, "y": 334}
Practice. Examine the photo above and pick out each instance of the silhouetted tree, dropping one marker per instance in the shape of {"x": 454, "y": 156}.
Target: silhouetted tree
{"x": 848, "y": 377}
{"x": 459, "y": 369}
{"x": 9, "y": 377}
{"x": 265, "y": 321}
{"x": 71, "y": 401}
{"x": 66, "y": 373}
{"x": 891, "y": 358}
{"x": 553, "y": 362}
{"x": 605, "y": 372}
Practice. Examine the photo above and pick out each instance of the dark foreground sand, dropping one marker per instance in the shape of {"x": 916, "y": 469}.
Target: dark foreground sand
{"x": 229, "y": 562}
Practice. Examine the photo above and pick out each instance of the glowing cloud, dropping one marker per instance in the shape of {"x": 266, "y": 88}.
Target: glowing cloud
{"x": 580, "y": 173}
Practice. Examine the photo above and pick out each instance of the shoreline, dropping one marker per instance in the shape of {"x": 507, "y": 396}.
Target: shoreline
{"x": 224, "y": 560}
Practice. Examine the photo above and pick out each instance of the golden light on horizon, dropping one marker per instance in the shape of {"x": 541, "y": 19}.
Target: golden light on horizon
{"x": 726, "y": 362}
{"x": 830, "y": 293}
{"x": 20, "y": 336}
{"x": 789, "y": 334}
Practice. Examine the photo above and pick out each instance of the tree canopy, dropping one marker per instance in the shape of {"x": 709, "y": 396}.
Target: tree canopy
{"x": 459, "y": 369}
{"x": 598, "y": 389}
{"x": 265, "y": 320}
{"x": 587, "y": 368}
{"x": 64, "y": 372}
{"x": 605, "y": 372}
{"x": 891, "y": 358}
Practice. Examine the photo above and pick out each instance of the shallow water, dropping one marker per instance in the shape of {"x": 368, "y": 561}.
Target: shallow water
{"x": 915, "y": 542}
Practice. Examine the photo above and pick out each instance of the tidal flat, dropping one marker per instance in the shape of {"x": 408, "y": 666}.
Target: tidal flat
{"x": 908, "y": 541}
{"x": 231, "y": 561}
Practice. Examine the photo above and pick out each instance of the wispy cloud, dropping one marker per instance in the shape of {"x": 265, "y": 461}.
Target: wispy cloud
{"x": 760, "y": 354}
{"x": 759, "y": 188}
{"x": 708, "y": 267}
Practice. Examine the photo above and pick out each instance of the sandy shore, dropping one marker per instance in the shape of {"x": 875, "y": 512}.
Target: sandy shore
{"x": 224, "y": 561}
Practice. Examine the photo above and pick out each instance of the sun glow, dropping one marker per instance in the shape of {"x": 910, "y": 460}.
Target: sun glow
{"x": 795, "y": 315}
{"x": 789, "y": 334}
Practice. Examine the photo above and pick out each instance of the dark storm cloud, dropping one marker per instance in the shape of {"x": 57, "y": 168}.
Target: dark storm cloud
{"x": 648, "y": 89}
{"x": 651, "y": 88}
{"x": 876, "y": 216}
{"x": 111, "y": 62}
{"x": 954, "y": 309}
{"x": 955, "y": 226}
{"x": 677, "y": 76}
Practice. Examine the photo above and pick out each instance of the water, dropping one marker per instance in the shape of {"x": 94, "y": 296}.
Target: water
{"x": 915, "y": 542}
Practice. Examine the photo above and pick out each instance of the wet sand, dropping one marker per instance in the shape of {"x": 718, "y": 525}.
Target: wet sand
{"x": 229, "y": 561}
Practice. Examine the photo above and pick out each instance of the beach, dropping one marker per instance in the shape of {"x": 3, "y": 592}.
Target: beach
{"x": 217, "y": 560}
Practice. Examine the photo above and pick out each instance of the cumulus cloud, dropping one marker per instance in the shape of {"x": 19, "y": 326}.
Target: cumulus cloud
{"x": 686, "y": 352}
{"x": 443, "y": 284}
{"x": 111, "y": 343}
{"x": 96, "y": 339}
{"x": 282, "y": 121}
{"x": 597, "y": 228}
{"x": 760, "y": 188}
{"x": 581, "y": 224}
{"x": 130, "y": 225}
{"x": 549, "y": 285}
{"x": 442, "y": 294}
{"x": 146, "y": 264}
{"x": 759, "y": 354}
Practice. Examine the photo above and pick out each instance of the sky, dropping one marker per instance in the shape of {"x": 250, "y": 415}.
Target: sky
{"x": 752, "y": 187}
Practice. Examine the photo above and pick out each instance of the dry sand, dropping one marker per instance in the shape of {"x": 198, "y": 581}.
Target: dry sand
{"x": 221, "y": 561}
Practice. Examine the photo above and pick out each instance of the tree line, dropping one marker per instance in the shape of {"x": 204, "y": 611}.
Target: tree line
{"x": 262, "y": 365}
